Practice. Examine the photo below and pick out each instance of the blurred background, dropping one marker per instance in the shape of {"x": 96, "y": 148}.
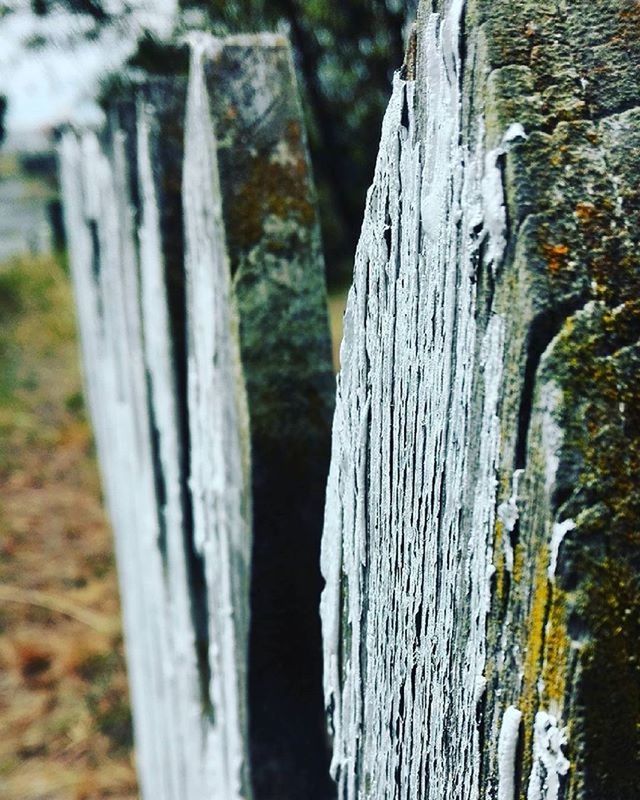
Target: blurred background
{"x": 64, "y": 712}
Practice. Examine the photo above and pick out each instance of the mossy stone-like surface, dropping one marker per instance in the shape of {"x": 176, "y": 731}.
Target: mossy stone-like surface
{"x": 569, "y": 73}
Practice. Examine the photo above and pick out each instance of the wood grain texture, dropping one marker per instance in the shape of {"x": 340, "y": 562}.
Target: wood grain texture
{"x": 208, "y": 371}
{"x": 481, "y": 535}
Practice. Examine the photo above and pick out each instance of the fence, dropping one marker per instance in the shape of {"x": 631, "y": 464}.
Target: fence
{"x": 200, "y": 286}
{"x": 480, "y": 550}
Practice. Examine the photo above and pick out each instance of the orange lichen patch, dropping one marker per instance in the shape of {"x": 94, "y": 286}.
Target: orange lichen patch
{"x": 231, "y": 112}
{"x": 273, "y": 187}
{"x": 585, "y": 211}
{"x": 555, "y": 255}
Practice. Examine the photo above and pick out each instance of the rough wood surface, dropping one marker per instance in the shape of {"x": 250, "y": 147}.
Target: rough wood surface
{"x": 273, "y": 243}
{"x": 481, "y": 537}
{"x": 209, "y": 379}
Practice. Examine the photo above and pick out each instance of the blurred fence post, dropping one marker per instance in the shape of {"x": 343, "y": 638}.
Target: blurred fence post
{"x": 481, "y": 549}
{"x": 195, "y": 254}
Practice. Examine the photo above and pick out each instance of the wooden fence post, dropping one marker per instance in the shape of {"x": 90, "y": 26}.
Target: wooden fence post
{"x": 481, "y": 549}
{"x": 273, "y": 245}
{"x": 208, "y": 373}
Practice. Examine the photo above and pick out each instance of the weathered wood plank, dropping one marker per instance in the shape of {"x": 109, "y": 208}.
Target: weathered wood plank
{"x": 407, "y": 574}
{"x": 273, "y": 242}
{"x": 131, "y": 380}
{"x": 480, "y": 545}
{"x": 175, "y": 324}
{"x": 114, "y": 373}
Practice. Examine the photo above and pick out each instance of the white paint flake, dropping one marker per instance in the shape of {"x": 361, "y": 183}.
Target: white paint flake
{"x": 549, "y": 762}
{"x": 508, "y": 513}
{"x": 495, "y": 214}
{"x": 507, "y": 747}
{"x": 559, "y": 530}
{"x": 513, "y": 132}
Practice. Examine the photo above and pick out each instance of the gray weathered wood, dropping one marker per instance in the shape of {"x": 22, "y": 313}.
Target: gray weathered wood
{"x": 480, "y": 551}
{"x": 187, "y": 331}
{"x": 273, "y": 242}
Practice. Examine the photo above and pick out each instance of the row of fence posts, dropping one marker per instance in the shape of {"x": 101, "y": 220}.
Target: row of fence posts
{"x": 199, "y": 278}
{"x": 440, "y": 628}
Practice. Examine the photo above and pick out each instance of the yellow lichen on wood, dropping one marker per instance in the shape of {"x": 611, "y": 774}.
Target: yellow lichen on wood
{"x": 535, "y": 626}
{"x": 499, "y": 559}
{"x": 556, "y": 650}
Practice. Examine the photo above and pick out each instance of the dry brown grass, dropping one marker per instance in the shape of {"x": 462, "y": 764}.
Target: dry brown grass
{"x": 64, "y": 712}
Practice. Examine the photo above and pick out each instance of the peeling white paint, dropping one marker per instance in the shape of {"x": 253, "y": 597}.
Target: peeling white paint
{"x": 495, "y": 214}
{"x": 407, "y": 573}
{"x": 188, "y": 746}
{"x": 181, "y": 668}
{"x": 513, "y": 132}
{"x": 97, "y": 215}
{"x": 508, "y": 513}
{"x": 559, "y": 530}
{"x": 549, "y": 762}
{"x": 507, "y": 747}
{"x": 218, "y": 421}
